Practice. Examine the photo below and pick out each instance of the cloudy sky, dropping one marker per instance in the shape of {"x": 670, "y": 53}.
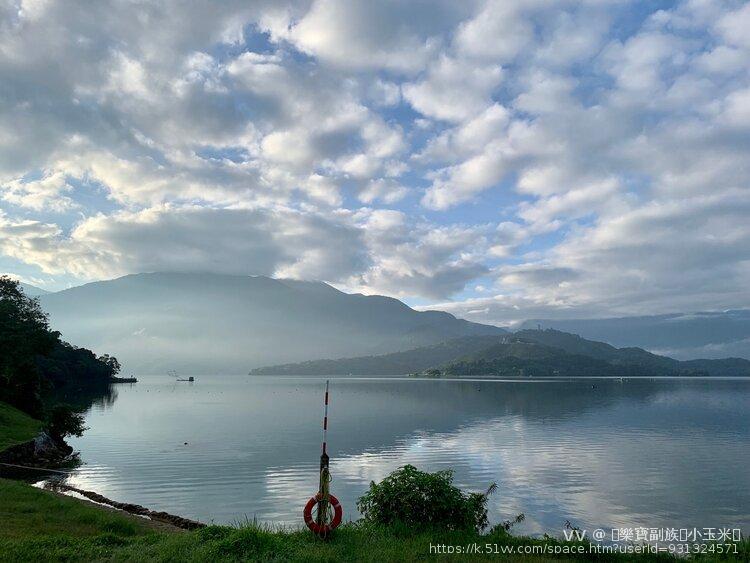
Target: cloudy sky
{"x": 501, "y": 159}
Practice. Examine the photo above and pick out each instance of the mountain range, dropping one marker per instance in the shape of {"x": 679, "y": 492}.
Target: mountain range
{"x": 210, "y": 323}
{"x": 32, "y": 291}
{"x": 713, "y": 334}
{"x": 207, "y": 323}
{"x": 524, "y": 353}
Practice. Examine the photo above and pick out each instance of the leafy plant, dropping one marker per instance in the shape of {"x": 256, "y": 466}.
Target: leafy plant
{"x": 63, "y": 421}
{"x": 507, "y": 525}
{"x": 420, "y": 499}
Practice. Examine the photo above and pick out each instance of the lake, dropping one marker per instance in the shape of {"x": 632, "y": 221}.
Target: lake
{"x": 598, "y": 452}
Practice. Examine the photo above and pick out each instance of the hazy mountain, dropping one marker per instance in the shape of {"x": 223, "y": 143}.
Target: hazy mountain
{"x": 577, "y": 345}
{"x": 199, "y": 323}
{"x": 397, "y": 363}
{"x": 529, "y": 352}
{"x": 683, "y": 336}
{"x": 553, "y": 352}
{"x": 33, "y": 291}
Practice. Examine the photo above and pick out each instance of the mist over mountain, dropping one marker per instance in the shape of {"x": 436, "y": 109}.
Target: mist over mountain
{"x": 32, "y": 291}
{"x": 207, "y": 323}
{"x": 683, "y": 336}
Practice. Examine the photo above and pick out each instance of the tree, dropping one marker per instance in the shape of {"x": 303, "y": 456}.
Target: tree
{"x": 112, "y": 363}
{"x": 24, "y": 335}
{"x": 61, "y": 421}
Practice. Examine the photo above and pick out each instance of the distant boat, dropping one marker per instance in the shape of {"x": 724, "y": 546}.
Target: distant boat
{"x": 173, "y": 373}
{"x": 114, "y": 379}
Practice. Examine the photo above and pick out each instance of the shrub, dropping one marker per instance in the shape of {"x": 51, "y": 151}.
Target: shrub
{"x": 420, "y": 499}
{"x": 63, "y": 421}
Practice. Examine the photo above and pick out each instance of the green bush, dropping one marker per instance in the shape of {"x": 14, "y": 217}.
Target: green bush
{"x": 420, "y": 499}
{"x": 63, "y": 421}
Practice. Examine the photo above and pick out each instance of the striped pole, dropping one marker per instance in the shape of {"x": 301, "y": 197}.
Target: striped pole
{"x": 329, "y": 511}
{"x": 325, "y": 420}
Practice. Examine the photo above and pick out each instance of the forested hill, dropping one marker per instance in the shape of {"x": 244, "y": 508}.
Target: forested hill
{"x": 685, "y": 336}
{"x": 34, "y": 361}
{"x": 525, "y": 353}
{"x": 633, "y": 356}
{"x": 398, "y": 363}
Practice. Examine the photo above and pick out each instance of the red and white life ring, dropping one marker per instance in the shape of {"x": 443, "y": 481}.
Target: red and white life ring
{"x": 323, "y": 529}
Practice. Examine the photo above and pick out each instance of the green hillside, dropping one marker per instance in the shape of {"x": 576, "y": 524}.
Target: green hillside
{"x": 520, "y": 358}
{"x": 16, "y": 426}
{"x": 398, "y": 363}
{"x": 524, "y": 353}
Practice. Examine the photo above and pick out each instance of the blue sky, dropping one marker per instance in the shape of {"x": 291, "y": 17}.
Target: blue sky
{"x": 497, "y": 159}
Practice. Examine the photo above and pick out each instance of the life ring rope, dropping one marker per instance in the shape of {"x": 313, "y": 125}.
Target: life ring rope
{"x": 324, "y": 528}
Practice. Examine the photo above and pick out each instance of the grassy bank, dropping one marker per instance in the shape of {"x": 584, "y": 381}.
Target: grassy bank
{"x": 16, "y": 426}
{"x": 28, "y": 513}
{"x": 41, "y": 526}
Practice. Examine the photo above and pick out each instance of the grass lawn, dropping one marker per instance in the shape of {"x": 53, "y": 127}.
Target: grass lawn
{"x": 36, "y": 525}
{"x": 16, "y": 426}
{"x": 27, "y": 512}
{"x": 40, "y": 526}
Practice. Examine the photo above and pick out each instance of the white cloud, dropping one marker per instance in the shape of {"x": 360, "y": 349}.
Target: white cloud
{"x": 734, "y": 25}
{"x": 383, "y": 189}
{"x": 399, "y": 36}
{"x": 461, "y": 182}
{"x": 498, "y": 32}
{"x": 453, "y": 90}
{"x": 47, "y": 193}
{"x": 658, "y": 258}
{"x": 280, "y": 241}
{"x": 608, "y": 146}
{"x": 419, "y": 259}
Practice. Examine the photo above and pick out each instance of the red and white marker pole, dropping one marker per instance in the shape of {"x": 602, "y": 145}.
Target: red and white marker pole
{"x": 325, "y": 424}
{"x": 329, "y": 511}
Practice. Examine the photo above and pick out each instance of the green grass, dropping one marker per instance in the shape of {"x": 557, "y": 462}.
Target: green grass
{"x": 36, "y": 525}
{"x": 27, "y": 512}
{"x": 16, "y": 426}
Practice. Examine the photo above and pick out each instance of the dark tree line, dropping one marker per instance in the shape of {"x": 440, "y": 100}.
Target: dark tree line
{"x": 34, "y": 361}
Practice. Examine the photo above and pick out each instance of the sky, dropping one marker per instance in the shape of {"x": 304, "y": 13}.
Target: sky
{"x": 500, "y": 160}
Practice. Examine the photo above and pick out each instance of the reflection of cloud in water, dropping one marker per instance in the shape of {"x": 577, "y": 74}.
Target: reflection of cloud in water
{"x": 639, "y": 453}
{"x": 600, "y": 477}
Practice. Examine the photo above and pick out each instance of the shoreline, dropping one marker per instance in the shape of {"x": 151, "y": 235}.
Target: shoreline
{"x": 48, "y": 455}
{"x": 129, "y": 508}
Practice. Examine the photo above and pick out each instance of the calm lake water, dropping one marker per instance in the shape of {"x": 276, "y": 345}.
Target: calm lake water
{"x": 600, "y": 453}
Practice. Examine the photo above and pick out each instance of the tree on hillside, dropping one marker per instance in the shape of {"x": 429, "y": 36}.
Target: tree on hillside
{"x": 24, "y": 335}
{"x": 111, "y": 362}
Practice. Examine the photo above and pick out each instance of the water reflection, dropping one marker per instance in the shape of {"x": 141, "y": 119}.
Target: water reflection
{"x": 604, "y": 453}
{"x": 97, "y": 394}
